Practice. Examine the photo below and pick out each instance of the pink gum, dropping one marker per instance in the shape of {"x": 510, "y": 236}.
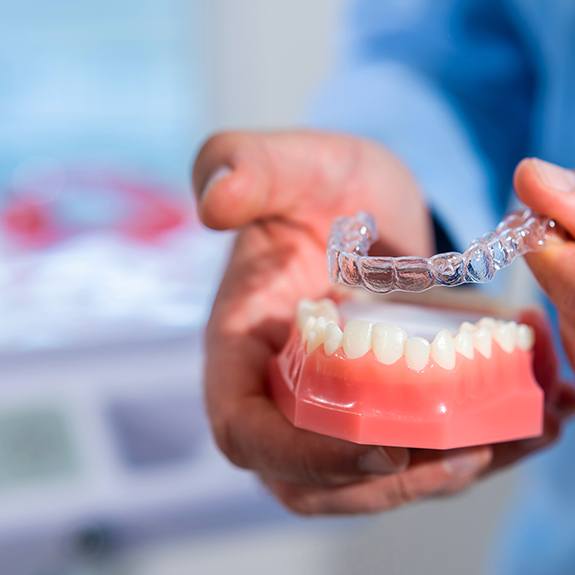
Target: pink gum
{"x": 362, "y": 400}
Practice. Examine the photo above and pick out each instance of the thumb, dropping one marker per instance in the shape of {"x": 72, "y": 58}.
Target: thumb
{"x": 308, "y": 178}
{"x": 549, "y": 189}
{"x": 240, "y": 177}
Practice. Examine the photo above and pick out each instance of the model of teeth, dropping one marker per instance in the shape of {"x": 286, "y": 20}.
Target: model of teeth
{"x": 318, "y": 323}
{"x": 374, "y": 379}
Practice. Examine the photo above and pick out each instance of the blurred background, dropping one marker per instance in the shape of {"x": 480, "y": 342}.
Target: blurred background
{"x": 106, "y": 463}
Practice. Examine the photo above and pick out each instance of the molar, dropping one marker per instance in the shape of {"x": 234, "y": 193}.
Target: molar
{"x": 305, "y": 311}
{"x": 357, "y": 338}
{"x": 443, "y": 350}
{"x": 525, "y": 337}
{"x": 468, "y": 327}
{"x": 323, "y": 308}
{"x": 417, "y": 353}
{"x": 326, "y": 308}
{"x": 388, "y": 343}
{"x": 505, "y": 335}
{"x": 488, "y": 323}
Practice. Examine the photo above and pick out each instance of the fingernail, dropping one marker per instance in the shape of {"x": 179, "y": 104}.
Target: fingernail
{"x": 554, "y": 176}
{"x": 383, "y": 460}
{"x": 464, "y": 465}
{"x": 218, "y": 175}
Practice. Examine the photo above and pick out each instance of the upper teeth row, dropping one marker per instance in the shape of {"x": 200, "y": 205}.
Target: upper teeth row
{"x": 318, "y": 323}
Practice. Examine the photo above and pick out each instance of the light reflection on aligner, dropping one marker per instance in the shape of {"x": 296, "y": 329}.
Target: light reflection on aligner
{"x": 518, "y": 233}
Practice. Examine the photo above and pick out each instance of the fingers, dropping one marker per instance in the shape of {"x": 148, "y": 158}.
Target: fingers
{"x": 564, "y": 405}
{"x": 444, "y": 473}
{"x": 256, "y": 436}
{"x": 253, "y": 434}
{"x": 548, "y": 189}
{"x": 310, "y": 178}
{"x": 241, "y": 177}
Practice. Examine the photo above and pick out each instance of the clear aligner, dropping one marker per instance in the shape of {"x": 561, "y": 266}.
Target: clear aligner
{"x": 351, "y": 237}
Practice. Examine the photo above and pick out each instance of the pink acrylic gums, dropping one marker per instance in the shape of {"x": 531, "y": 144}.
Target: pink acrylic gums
{"x": 478, "y": 392}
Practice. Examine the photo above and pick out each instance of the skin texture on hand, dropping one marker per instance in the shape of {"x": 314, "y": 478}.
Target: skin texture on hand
{"x": 282, "y": 191}
{"x": 550, "y": 190}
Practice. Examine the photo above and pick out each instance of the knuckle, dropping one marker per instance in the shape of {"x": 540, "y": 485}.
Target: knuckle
{"x": 407, "y": 488}
{"x": 403, "y": 492}
{"x": 309, "y": 471}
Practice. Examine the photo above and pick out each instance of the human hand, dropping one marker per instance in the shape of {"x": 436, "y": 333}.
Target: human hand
{"x": 550, "y": 190}
{"x": 282, "y": 190}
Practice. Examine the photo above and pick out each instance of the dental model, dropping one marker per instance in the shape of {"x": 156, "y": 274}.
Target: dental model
{"x": 448, "y": 384}
{"x": 351, "y": 237}
{"x": 421, "y": 377}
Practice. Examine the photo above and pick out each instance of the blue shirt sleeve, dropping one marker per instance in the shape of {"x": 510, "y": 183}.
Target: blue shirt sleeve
{"x": 448, "y": 85}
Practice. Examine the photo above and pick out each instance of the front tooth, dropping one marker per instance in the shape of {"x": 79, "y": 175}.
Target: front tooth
{"x": 525, "y": 337}
{"x": 482, "y": 341}
{"x": 464, "y": 343}
{"x": 487, "y": 322}
{"x": 416, "y": 353}
{"x": 326, "y": 308}
{"x": 504, "y": 335}
{"x": 357, "y": 338}
{"x": 443, "y": 350}
{"x": 388, "y": 343}
{"x": 333, "y": 338}
{"x": 305, "y": 310}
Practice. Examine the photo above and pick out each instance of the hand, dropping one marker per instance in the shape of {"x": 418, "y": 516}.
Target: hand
{"x": 550, "y": 190}
{"x": 282, "y": 191}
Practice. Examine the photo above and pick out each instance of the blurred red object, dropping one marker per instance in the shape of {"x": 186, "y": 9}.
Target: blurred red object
{"x": 36, "y": 216}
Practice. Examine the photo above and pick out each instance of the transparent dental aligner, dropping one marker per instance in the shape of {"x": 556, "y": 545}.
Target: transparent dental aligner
{"x": 518, "y": 233}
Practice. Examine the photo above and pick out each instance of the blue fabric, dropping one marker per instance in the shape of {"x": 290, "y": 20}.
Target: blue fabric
{"x": 461, "y": 90}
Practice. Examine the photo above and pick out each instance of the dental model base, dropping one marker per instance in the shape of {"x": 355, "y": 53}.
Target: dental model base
{"x": 351, "y": 237}
{"x": 424, "y": 378}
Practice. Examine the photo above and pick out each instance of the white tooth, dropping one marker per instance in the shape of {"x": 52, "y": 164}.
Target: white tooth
{"x": 464, "y": 343}
{"x": 443, "y": 350}
{"x": 356, "y": 338}
{"x": 333, "y": 338}
{"x": 315, "y": 334}
{"x": 525, "y": 337}
{"x": 308, "y": 327}
{"x": 305, "y": 310}
{"x": 323, "y": 308}
{"x": 504, "y": 335}
{"x": 314, "y": 340}
{"x": 388, "y": 342}
{"x": 482, "y": 341}
{"x": 466, "y": 326}
{"x": 326, "y": 308}
{"x": 487, "y": 322}
{"x": 416, "y": 353}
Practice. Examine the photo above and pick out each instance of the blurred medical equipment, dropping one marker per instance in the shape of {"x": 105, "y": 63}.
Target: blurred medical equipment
{"x": 105, "y": 286}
